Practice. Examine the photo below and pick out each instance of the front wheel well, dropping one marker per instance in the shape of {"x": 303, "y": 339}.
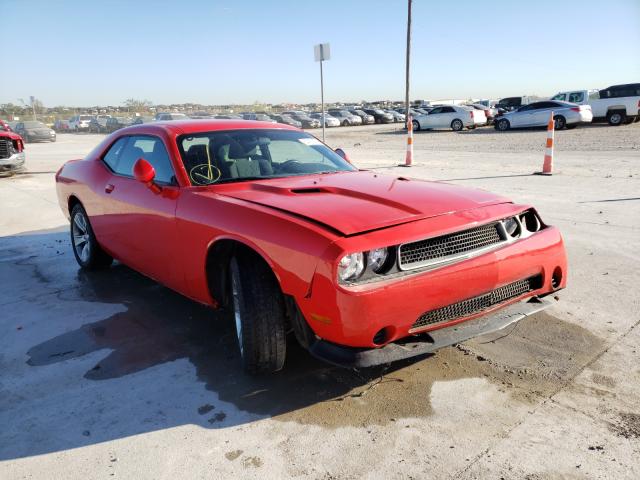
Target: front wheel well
{"x": 72, "y": 202}
{"x": 219, "y": 256}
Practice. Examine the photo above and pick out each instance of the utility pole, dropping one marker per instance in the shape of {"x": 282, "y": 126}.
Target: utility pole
{"x": 322, "y": 98}
{"x": 33, "y": 106}
{"x": 408, "y": 63}
{"x": 322, "y": 53}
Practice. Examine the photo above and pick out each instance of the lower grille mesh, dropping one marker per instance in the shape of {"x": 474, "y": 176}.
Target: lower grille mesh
{"x": 477, "y": 304}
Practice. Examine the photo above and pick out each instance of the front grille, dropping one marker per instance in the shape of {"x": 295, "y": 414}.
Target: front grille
{"x": 5, "y": 148}
{"x": 433, "y": 250}
{"x": 477, "y": 304}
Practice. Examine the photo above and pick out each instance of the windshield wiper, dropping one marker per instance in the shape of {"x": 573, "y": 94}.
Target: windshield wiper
{"x": 245, "y": 179}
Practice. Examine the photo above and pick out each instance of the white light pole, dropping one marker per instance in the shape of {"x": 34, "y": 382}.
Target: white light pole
{"x": 322, "y": 52}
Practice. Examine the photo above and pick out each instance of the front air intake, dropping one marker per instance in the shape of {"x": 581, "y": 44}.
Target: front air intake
{"x": 475, "y": 305}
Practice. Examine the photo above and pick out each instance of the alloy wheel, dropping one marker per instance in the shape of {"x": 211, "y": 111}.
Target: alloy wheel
{"x": 81, "y": 239}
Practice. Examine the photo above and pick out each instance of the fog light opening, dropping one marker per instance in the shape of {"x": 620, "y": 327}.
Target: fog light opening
{"x": 383, "y": 335}
{"x": 556, "y": 278}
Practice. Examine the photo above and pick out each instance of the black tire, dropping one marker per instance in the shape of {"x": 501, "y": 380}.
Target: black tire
{"x": 345, "y": 124}
{"x": 457, "y": 125}
{"x": 502, "y": 125}
{"x": 416, "y": 125}
{"x": 94, "y": 258}
{"x": 559, "y": 122}
{"x": 259, "y": 314}
{"x": 616, "y": 118}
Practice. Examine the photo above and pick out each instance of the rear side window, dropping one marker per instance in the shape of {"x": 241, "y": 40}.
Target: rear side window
{"x": 127, "y": 150}
{"x": 447, "y": 110}
{"x": 575, "y": 97}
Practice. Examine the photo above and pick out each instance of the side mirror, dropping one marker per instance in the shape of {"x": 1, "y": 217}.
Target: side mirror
{"x": 144, "y": 172}
{"x": 343, "y": 154}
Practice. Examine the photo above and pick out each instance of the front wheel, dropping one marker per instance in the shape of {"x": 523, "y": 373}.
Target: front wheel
{"x": 259, "y": 314}
{"x": 416, "y": 125}
{"x": 457, "y": 125}
{"x": 86, "y": 249}
{"x": 503, "y": 125}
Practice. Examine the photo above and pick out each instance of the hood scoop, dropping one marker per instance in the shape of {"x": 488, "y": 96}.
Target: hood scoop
{"x": 308, "y": 190}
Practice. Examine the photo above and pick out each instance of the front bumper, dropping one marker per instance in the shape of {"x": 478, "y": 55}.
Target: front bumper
{"x": 427, "y": 343}
{"x": 14, "y": 162}
{"x": 353, "y": 316}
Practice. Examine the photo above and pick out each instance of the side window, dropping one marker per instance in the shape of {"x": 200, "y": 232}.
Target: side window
{"x": 561, "y": 96}
{"x": 435, "y": 110}
{"x": 527, "y": 108}
{"x": 575, "y": 97}
{"x": 111, "y": 158}
{"x": 448, "y": 110}
{"x": 595, "y": 95}
{"x": 128, "y": 150}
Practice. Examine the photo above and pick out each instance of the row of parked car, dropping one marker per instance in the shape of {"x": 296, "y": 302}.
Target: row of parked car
{"x": 617, "y": 105}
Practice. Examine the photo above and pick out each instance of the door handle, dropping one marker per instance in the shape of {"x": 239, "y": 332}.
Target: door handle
{"x": 109, "y": 188}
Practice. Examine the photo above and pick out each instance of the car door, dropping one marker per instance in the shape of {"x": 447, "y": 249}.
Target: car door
{"x": 138, "y": 225}
{"x": 448, "y": 115}
{"x": 523, "y": 117}
{"x": 431, "y": 119}
{"x": 541, "y": 113}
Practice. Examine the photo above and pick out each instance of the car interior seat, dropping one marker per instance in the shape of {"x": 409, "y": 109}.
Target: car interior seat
{"x": 196, "y": 155}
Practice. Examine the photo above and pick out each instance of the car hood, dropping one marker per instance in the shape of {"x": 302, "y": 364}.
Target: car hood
{"x": 11, "y": 135}
{"x": 356, "y": 202}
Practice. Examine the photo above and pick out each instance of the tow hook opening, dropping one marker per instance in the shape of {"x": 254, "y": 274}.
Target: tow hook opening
{"x": 556, "y": 278}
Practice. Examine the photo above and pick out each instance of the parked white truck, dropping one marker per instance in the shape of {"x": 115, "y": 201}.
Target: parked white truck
{"x": 616, "y": 104}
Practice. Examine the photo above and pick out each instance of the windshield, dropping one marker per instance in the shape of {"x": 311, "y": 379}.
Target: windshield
{"x": 34, "y": 125}
{"x": 85, "y": 117}
{"x": 254, "y": 154}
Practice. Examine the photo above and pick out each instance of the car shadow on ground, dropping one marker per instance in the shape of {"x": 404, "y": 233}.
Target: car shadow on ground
{"x": 91, "y": 357}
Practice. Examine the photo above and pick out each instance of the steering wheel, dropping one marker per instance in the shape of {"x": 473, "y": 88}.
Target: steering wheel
{"x": 205, "y": 174}
{"x": 283, "y": 166}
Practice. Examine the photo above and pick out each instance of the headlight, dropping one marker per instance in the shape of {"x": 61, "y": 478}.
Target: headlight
{"x": 351, "y": 266}
{"x": 378, "y": 258}
{"x": 512, "y": 226}
{"x": 530, "y": 221}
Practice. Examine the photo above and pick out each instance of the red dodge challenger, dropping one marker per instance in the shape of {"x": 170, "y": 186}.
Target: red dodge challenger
{"x": 266, "y": 221}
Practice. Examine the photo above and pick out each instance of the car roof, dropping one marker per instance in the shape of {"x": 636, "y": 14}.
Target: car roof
{"x": 181, "y": 127}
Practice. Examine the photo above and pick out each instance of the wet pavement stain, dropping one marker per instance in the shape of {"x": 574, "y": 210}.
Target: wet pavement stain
{"x": 528, "y": 361}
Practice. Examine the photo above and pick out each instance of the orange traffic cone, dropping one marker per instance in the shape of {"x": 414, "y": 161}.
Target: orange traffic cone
{"x": 547, "y": 166}
{"x": 408, "y": 160}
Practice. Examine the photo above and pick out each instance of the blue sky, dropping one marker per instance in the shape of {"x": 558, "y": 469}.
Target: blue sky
{"x": 103, "y": 52}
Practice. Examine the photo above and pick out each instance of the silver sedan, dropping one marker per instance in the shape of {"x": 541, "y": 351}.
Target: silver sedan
{"x": 537, "y": 114}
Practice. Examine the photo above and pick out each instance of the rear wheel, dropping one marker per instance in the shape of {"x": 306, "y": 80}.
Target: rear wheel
{"x": 259, "y": 314}
{"x": 86, "y": 249}
{"x": 616, "y": 118}
{"x": 457, "y": 125}
{"x": 559, "y": 122}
